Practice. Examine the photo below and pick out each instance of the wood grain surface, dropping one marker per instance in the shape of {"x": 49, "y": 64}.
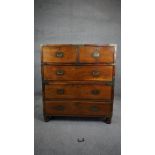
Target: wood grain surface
{"x": 86, "y": 73}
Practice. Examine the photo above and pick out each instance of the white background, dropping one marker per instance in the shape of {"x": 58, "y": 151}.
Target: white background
{"x": 138, "y": 77}
{"x": 17, "y": 77}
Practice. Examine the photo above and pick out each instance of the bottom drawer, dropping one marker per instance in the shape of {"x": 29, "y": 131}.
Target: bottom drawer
{"x": 81, "y": 108}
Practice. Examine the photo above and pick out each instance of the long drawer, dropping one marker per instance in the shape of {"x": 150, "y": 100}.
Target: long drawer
{"x": 78, "y": 73}
{"x": 78, "y": 108}
{"x": 78, "y": 91}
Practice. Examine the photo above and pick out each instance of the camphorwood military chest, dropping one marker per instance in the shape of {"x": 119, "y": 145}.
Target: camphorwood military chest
{"x": 78, "y": 80}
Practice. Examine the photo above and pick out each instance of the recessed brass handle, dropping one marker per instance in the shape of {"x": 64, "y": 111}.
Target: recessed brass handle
{"x": 94, "y": 108}
{"x": 59, "y": 54}
{"x": 95, "y": 73}
{"x": 95, "y": 92}
{"x": 59, "y": 108}
{"x": 60, "y": 91}
{"x": 96, "y": 54}
{"x": 60, "y": 72}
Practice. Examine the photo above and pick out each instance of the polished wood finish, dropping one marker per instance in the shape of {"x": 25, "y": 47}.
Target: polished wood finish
{"x": 51, "y": 54}
{"x": 84, "y": 91}
{"x": 78, "y": 80}
{"x": 78, "y": 73}
{"x": 78, "y": 108}
{"x": 106, "y": 54}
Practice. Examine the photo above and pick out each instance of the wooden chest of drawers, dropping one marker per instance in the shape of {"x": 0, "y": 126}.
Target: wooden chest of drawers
{"x": 78, "y": 80}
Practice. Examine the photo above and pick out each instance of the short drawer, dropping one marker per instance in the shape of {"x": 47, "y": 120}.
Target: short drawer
{"x": 92, "y": 54}
{"x": 59, "y": 54}
{"x": 77, "y": 73}
{"x": 78, "y": 91}
{"x": 77, "y": 108}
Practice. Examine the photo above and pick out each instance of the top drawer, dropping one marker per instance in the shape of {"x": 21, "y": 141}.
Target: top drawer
{"x": 78, "y": 53}
{"x": 92, "y": 54}
{"x": 61, "y": 54}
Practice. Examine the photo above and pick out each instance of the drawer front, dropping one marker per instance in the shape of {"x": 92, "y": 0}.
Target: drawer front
{"x": 78, "y": 91}
{"x": 92, "y": 54}
{"x": 77, "y": 73}
{"x": 62, "y": 54}
{"x": 77, "y": 108}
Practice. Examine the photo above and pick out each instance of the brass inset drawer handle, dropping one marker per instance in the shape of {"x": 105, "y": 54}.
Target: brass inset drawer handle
{"x": 60, "y": 91}
{"x": 94, "y": 108}
{"x": 96, "y": 54}
{"x": 59, "y": 54}
{"x": 59, "y": 108}
{"x": 60, "y": 72}
{"x": 95, "y": 92}
{"x": 95, "y": 73}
